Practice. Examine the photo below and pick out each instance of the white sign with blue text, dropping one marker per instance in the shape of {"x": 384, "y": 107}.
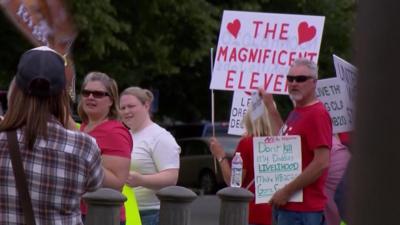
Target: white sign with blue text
{"x": 277, "y": 161}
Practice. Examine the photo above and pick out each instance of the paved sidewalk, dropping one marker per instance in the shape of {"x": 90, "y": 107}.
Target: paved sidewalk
{"x": 205, "y": 210}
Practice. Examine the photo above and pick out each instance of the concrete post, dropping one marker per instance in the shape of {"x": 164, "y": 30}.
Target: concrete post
{"x": 103, "y": 207}
{"x": 234, "y": 206}
{"x": 175, "y": 202}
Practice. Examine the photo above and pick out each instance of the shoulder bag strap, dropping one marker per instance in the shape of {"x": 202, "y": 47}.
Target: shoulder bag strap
{"x": 20, "y": 178}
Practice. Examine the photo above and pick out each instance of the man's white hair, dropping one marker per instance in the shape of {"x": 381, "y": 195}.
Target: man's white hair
{"x": 311, "y": 65}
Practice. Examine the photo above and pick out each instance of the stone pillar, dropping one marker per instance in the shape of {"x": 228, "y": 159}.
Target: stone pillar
{"x": 175, "y": 205}
{"x": 103, "y": 207}
{"x": 234, "y": 206}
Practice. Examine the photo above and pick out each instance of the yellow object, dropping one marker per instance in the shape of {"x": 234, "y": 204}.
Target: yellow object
{"x": 131, "y": 207}
{"x": 342, "y": 223}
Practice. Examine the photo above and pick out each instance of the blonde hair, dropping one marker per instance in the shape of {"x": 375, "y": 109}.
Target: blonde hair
{"x": 142, "y": 94}
{"x": 112, "y": 89}
{"x": 260, "y": 127}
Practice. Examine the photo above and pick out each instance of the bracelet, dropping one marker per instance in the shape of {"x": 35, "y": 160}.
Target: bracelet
{"x": 222, "y": 159}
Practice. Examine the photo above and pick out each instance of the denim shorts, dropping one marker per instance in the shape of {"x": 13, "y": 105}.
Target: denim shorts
{"x": 285, "y": 217}
{"x": 150, "y": 217}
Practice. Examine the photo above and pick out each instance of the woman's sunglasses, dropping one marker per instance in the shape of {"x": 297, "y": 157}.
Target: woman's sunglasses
{"x": 95, "y": 94}
{"x": 298, "y": 79}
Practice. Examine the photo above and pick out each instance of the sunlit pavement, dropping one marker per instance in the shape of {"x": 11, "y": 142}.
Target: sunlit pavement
{"x": 205, "y": 210}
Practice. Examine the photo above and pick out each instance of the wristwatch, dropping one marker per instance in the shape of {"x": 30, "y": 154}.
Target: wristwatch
{"x": 221, "y": 159}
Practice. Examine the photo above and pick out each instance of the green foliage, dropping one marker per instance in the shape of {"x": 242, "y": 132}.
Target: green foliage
{"x": 172, "y": 40}
{"x": 100, "y": 28}
{"x": 168, "y": 49}
{"x": 165, "y": 45}
{"x": 98, "y": 24}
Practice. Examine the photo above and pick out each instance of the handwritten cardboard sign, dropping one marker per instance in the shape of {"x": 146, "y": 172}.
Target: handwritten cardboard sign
{"x": 256, "y": 49}
{"x": 240, "y": 102}
{"x": 277, "y": 161}
{"x": 333, "y": 94}
{"x": 347, "y": 73}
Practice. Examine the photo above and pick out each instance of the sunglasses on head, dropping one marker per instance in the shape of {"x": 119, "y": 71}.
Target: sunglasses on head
{"x": 95, "y": 94}
{"x": 298, "y": 79}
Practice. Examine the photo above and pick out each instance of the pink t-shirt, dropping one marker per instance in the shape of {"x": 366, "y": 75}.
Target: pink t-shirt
{"x": 314, "y": 126}
{"x": 339, "y": 158}
{"x": 115, "y": 140}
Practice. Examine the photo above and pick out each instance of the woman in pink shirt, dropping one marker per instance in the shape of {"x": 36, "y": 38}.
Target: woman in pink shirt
{"x": 99, "y": 113}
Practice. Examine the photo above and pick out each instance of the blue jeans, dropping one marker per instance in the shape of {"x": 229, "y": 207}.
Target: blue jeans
{"x": 285, "y": 217}
{"x": 150, "y": 217}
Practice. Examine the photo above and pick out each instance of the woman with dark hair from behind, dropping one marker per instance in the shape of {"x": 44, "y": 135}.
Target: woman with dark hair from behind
{"x": 60, "y": 165}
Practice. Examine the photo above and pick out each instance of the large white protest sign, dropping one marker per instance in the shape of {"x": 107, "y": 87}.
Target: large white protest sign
{"x": 347, "y": 73}
{"x": 256, "y": 49}
{"x": 333, "y": 93}
{"x": 277, "y": 161}
{"x": 240, "y": 102}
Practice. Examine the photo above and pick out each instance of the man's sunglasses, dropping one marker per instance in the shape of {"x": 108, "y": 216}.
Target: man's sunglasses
{"x": 95, "y": 94}
{"x": 298, "y": 79}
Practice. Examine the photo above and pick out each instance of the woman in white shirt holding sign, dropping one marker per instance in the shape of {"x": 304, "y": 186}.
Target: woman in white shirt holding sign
{"x": 155, "y": 154}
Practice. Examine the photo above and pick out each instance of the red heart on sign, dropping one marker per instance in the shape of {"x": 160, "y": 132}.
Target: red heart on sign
{"x": 305, "y": 32}
{"x": 234, "y": 27}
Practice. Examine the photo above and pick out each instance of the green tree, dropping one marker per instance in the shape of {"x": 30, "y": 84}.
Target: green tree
{"x": 167, "y": 49}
